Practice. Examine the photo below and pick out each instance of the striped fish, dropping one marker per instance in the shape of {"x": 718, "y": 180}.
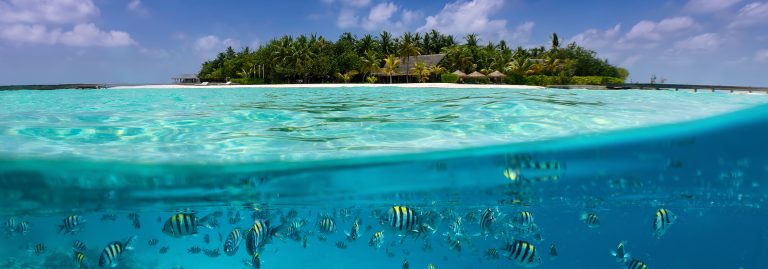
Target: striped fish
{"x": 522, "y": 253}
{"x": 402, "y": 219}
{"x": 487, "y": 220}
{"x": 184, "y": 224}
{"x": 71, "y": 224}
{"x": 377, "y": 239}
{"x": 590, "y": 219}
{"x": 11, "y": 224}
{"x": 233, "y": 242}
{"x": 37, "y": 249}
{"x": 354, "y": 233}
{"x": 23, "y": 227}
{"x": 619, "y": 253}
{"x": 454, "y": 243}
{"x": 153, "y": 242}
{"x": 255, "y": 261}
{"x": 326, "y": 224}
{"x": 257, "y": 236}
{"x": 80, "y": 259}
{"x": 79, "y": 245}
{"x": 523, "y": 219}
{"x": 664, "y": 218}
{"x": 422, "y": 231}
{"x": 492, "y": 254}
{"x": 636, "y": 264}
{"x": 110, "y": 256}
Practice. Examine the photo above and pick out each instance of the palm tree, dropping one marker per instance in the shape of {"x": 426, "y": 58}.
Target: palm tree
{"x": 365, "y": 44}
{"x": 385, "y": 42}
{"x": 408, "y": 48}
{"x": 347, "y": 76}
{"x": 371, "y": 63}
{"x": 555, "y": 41}
{"x": 520, "y": 65}
{"x": 421, "y": 71}
{"x": 390, "y": 66}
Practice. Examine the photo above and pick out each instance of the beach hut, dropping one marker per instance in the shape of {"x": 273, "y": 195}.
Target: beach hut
{"x": 496, "y": 75}
{"x": 459, "y": 73}
{"x": 186, "y": 79}
{"x": 475, "y": 76}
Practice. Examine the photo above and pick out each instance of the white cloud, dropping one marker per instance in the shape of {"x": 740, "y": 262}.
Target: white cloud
{"x": 137, "y": 7}
{"x": 702, "y": 42}
{"x": 347, "y": 19}
{"x": 596, "y": 38}
{"x": 381, "y": 16}
{"x": 649, "y": 30}
{"x": 352, "y": 3}
{"x": 155, "y": 53}
{"x": 709, "y": 6}
{"x": 761, "y": 56}
{"x": 463, "y": 17}
{"x": 750, "y": 15}
{"x": 630, "y": 61}
{"x": 47, "y": 11}
{"x": 82, "y": 35}
{"x": 208, "y": 46}
{"x": 522, "y": 32}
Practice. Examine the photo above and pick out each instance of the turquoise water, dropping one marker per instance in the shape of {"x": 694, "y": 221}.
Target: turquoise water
{"x": 261, "y": 153}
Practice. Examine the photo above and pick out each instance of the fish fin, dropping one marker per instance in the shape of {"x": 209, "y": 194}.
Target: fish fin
{"x": 128, "y": 243}
{"x": 207, "y": 221}
{"x": 613, "y": 253}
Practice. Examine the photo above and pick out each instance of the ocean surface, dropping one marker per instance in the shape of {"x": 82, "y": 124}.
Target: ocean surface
{"x": 452, "y": 178}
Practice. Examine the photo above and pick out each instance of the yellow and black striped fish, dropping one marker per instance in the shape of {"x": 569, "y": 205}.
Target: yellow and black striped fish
{"x": 184, "y": 224}
{"x": 23, "y": 227}
{"x": 232, "y": 244}
{"x": 487, "y": 221}
{"x": 663, "y": 220}
{"x": 326, "y": 224}
{"x": 636, "y": 264}
{"x": 38, "y": 249}
{"x": 522, "y": 253}
{"x": 402, "y": 219}
{"x": 259, "y": 235}
{"x": 255, "y": 261}
{"x": 377, "y": 239}
{"x": 591, "y": 219}
{"x": 523, "y": 219}
{"x": 110, "y": 256}
{"x": 80, "y": 259}
{"x": 71, "y": 224}
{"x": 79, "y": 245}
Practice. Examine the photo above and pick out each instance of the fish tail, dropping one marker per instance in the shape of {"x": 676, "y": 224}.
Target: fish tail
{"x": 207, "y": 221}
{"x": 128, "y": 243}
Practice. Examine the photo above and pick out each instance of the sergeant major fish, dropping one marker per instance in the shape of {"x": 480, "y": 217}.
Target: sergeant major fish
{"x": 522, "y": 253}
{"x": 185, "y": 224}
{"x": 112, "y": 253}
{"x": 590, "y": 219}
{"x": 663, "y": 220}
{"x": 71, "y": 224}
{"x": 376, "y": 240}
{"x": 232, "y": 244}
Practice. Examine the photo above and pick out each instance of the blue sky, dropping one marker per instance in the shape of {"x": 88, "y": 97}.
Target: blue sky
{"x": 142, "y": 41}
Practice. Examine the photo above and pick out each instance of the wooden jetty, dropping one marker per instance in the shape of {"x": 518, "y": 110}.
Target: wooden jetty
{"x": 54, "y": 87}
{"x": 676, "y": 87}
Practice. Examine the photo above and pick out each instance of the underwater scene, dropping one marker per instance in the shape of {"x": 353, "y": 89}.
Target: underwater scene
{"x": 383, "y": 178}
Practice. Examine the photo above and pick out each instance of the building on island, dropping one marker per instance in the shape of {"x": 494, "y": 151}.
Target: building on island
{"x": 186, "y": 79}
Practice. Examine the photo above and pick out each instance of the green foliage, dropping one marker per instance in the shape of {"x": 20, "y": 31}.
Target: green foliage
{"x": 247, "y": 81}
{"x": 538, "y": 80}
{"x": 372, "y": 79}
{"x": 449, "y": 78}
{"x": 482, "y": 80}
{"x": 514, "y": 79}
{"x": 595, "y": 80}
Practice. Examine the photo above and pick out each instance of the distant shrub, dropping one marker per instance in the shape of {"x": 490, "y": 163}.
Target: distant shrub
{"x": 514, "y": 79}
{"x": 483, "y": 80}
{"x": 247, "y": 81}
{"x": 595, "y": 80}
{"x": 538, "y": 80}
{"x": 449, "y": 78}
{"x": 372, "y": 79}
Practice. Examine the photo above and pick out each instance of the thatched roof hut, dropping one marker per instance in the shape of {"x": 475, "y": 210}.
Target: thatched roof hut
{"x": 476, "y": 75}
{"x": 406, "y": 64}
{"x": 186, "y": 79}
{"x": 496, "y": 74}
{"x": 459, "y": 73}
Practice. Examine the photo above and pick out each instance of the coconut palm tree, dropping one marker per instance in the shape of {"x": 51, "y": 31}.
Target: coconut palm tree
{"x": 421, "y": 72}
{"x": 385, "y": 43}
{"x": 347, "y": 76}
{"x": 390, "y": 66}
{"x": 371, "y": 63}
{"x": 408, "y": 48}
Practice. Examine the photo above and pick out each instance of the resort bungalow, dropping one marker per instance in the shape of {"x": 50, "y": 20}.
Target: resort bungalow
{"x": 186, "y": 79}
{"x": 407, "y": 64}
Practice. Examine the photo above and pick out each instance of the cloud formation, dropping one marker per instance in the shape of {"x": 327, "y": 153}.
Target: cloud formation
{"x": 700, "y": 43}
{"x": 751, "y": 14}
{"x": 385, "y": 15}
{"x": 709, "y": 6}
{"x": 761, "y": 56}
{"x": 208, "y": 46}
{"x": 44, "y": 22}
{"x": 462, "y": 17}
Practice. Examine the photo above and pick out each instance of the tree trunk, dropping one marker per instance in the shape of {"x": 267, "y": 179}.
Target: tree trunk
{"x": 407, "y": 63}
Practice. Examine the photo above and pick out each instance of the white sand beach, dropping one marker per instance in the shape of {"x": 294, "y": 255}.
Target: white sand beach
{"x": 349, "y": 85}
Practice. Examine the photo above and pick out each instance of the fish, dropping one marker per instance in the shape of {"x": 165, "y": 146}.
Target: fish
{"x": 353, "y": 233}
{"x": 80, "y": 259}
{"x": 377, "y": 240}
{"x": 212, "y": 253}
{"x": 636, "y": 264}
{"x": 71, "y": 224}
{"x": 401, "y": 219}
{"x": 591, "y": 220}
{"x": 112, "y": 253}
{"x": 22, "y": 228}
{"x": 194, "y": 250}
{"x": 406, "y": 265}
{"x": 255, "y": 261}
{"x": 422, "y": 231}
{"x": 322, "y": 237}
{"x": 552, "y": 251}
{"x": 522, "y": 254}
{"x": 153, "y": 242}
{"x": 456, "y": 226}
{"x": 185, "y": 224}
{"x": 487, "y": 221}
{"x": 454, "y": 243}
{"x": 663, "y": 220}
{"x": 79, "y": 245}
{"x": 233, "y": 242}
{"x": 304, "y": 242}
{"x": 471, "y": 216}
{"x": 326, "y": 225}
{"x": 207, "y": 238}
{"x": 163, "y": 250}
{"x": 619, "y": 253}
{"x": 431, "y": 266}
{"x": 11, "y": 225}
{"x": 341, "y": 245}
{"x": 523, "y": 219}
{"x": 37, "y": 249}
{"x": 259, "y": 235}
{"x": 492, "y": 254}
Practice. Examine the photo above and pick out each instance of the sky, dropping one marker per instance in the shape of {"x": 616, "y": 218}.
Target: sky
{"x": 149, "y": 41}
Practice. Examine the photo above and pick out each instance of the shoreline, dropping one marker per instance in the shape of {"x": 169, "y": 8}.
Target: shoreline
{"x": 335, "y": 85}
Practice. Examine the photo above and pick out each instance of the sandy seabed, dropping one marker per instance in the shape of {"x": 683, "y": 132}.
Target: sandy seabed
{"x": 350, "y": 85}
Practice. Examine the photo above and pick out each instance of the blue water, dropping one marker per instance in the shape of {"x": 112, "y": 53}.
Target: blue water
{"x": 61, "y": 155}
